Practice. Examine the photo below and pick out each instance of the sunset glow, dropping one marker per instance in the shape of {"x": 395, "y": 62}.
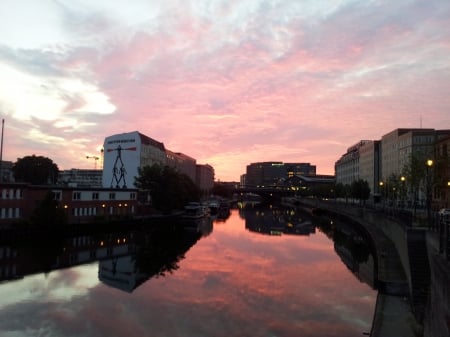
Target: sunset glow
{"x": 226, "y": 82}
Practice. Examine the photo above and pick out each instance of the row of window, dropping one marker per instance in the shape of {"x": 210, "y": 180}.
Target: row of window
{"x": 93, "y": 196}
{"x": 92, "y": 211}
{"x": 10, "y": 193}
{"x": 9, "y": 213}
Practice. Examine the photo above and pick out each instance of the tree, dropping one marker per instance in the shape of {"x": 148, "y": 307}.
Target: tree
{"x": 360, "y": 190}
{"x": 415, "y": 172}
{"x": 168, "y": 188}
{"x": 36, "y": 170}
{"x": 48, "y": 213}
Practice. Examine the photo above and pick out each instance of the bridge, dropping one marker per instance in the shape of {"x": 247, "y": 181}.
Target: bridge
{"x": 268, "y": 193}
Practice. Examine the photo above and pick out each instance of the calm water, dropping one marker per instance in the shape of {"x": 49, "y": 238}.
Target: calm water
{"x": 259, "y": 272}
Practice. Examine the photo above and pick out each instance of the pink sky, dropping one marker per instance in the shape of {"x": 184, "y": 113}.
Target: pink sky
{"x": 226, "y": 82}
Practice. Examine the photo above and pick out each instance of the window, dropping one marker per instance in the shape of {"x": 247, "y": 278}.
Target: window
{"x": 112, "y": 196}
{"x": 95, "y": 196}
{"x": 132, "y": 196}
{"x": 76, "y": 196}
{"x": 56, "y": 195}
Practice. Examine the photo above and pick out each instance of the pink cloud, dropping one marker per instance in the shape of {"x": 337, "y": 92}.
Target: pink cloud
{"x": 228, "y": 84}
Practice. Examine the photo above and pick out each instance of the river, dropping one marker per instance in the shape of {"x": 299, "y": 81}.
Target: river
{"x": 260, "y": 271}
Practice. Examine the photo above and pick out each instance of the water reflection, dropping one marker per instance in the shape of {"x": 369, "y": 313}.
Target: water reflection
{"x": 126, "y": 258}
{"x": 276, "y": 220}
{"x": 232, "y": 281}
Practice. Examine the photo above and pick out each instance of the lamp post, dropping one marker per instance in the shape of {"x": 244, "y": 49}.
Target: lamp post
{"x": 382, "y": 191}
{"x": 428, "y": 191}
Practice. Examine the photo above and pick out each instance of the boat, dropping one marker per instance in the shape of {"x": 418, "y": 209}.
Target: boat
{"x": 194, "y": 210}
{"x": 213, "y": 206}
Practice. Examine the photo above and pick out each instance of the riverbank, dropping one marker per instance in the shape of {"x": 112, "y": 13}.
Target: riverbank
{"x": 393, "y": 314}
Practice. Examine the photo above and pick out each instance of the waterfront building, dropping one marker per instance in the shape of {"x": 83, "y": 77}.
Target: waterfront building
{"x": 369, "y": 164}
{"x": 182, "y": 163}
{"x": 205, "y": 177}
{"x": 81, "y": 205}
{"x": 347, "y": 167}
{"x": 125, "y": 153}
{"x": 379, "y": 161}
{"x": 399, "y": 145}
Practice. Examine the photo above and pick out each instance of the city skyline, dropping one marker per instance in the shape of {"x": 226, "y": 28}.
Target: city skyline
{"x": 227, "y": 83}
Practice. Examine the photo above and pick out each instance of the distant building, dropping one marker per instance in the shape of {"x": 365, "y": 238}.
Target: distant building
{"x": 275, "y": 173}
{"x": 6, "y": 172}
{"x": 81, "y": 178}
{"x": 182, "y": 163}
{"x": 205, "y": 177}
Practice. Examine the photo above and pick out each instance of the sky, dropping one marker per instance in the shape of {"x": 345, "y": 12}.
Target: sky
{"x": 227, "y": 82}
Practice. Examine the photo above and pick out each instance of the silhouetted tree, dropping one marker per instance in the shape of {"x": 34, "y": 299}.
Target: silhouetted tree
{"x": 169, "y": 189}
{"x": 48, "y": 213}
{"x": 36, "y": 170}
{"x": 360, "y": 190}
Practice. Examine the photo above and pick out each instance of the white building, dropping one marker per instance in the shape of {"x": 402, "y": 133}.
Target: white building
{"x": 124, "y": 153}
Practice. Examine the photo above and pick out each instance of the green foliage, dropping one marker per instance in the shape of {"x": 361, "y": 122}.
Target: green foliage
{"x": 36, "y": 170}
{"x": 168, "y": 188}
{"x": 48, "y": 213}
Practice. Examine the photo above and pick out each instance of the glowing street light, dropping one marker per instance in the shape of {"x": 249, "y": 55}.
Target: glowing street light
{"x": 428, "y": 166}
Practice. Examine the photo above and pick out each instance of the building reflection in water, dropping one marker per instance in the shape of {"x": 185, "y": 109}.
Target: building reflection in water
{"x": 349, "y": 243}
{"x": 352, "y": 248}
{"x": 276, "y": 220}
{"x": 126, "y": 258}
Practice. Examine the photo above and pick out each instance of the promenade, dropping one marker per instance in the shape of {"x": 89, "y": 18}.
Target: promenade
{"x": 398, "y": 314}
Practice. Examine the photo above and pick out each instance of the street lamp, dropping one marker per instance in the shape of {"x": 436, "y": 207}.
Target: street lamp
{"x": 403, "y": 191}
{"x": 428, "y": 187}
{"x": 381, "y": 184}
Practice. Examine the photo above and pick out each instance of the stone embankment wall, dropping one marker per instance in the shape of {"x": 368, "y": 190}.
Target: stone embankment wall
{"x": 436, "y": 320}
{"x": 437, "y": 317}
